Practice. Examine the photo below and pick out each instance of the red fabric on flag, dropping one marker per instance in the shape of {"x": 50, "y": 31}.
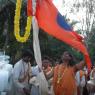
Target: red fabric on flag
{"x": 47, "y": 14}
{"x": 29, "y": 8}
{"x": 80, "y": 38}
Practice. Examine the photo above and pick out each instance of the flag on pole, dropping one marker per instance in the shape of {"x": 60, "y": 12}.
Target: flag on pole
{"x": 29, "y": 8}
{"x": 52, "y": 22}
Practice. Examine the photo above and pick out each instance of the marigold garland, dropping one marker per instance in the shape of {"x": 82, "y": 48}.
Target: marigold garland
{"x": 16, "y": 24}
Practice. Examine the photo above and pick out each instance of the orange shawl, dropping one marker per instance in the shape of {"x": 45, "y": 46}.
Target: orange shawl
{"x": 67, "y": 85}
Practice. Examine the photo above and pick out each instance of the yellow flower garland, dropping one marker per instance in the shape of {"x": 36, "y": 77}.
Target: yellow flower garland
{"x": 16, "y": 24}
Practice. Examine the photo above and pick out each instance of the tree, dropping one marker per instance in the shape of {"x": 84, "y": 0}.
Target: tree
{"x": 49, "y": 45}
{"x": 7, "y": 38}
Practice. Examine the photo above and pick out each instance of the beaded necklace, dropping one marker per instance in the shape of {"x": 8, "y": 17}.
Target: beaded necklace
{"x": 61, "y": 73}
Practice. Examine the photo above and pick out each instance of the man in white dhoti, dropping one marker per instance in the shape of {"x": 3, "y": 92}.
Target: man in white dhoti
{"x": 22, "y": 73}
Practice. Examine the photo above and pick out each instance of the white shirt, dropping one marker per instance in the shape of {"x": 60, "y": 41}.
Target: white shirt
{"x": 80, "y": 82}
{"x": 35, "y": 70}
{"x": 92, "y": 75}
{"x": 20, "y": 70}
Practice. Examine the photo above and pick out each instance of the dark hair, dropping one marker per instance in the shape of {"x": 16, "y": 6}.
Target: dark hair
{"x": 72, "y": 61}
{"x": 45, "y": 57}
{"x": 27, "y": 52}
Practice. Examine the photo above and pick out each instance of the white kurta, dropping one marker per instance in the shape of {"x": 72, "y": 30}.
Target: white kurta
{"x": 5, "y": 77}
{"x": 33, "y": 81}
{"x": 92, "y": 75}
{"x": 19, "y": 72}
{"x": 40, "y": 85}
{"x": 43, "y": 84}
{"x": 35, "y": 70}
{"x": 81, "y": 82}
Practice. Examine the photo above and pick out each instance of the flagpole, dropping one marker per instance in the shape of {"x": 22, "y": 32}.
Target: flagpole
{"x": 37, "y": 52}
{"x": 36, "y": 45}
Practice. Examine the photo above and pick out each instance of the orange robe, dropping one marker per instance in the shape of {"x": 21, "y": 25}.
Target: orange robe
{"x": 67, "y": 84}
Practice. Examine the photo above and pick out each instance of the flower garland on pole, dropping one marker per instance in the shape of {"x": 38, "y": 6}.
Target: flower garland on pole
{"x": 16, "y": 24}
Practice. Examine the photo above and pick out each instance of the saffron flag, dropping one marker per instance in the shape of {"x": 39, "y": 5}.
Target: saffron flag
{"x": 52, "y": 22}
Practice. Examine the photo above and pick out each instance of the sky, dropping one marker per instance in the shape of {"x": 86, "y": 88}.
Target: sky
{"x": 59, "y": 5}
{"x": 65, "y": 10}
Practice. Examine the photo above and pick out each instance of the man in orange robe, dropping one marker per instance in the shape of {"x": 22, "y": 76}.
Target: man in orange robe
{"x": 64, "y": 76}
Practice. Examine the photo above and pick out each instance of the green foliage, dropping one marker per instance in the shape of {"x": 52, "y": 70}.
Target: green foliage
{"x": 91, "y": 44}
{"x": 7, "y": 39}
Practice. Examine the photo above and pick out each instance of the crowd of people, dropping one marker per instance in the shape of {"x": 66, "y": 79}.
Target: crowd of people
{"x": 63, "y": 78}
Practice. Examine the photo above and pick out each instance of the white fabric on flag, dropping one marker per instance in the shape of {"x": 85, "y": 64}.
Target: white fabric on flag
{"x": 36, "y": 45}
{"x": 43, "y": 84}
{"x": 37, "y": 54}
